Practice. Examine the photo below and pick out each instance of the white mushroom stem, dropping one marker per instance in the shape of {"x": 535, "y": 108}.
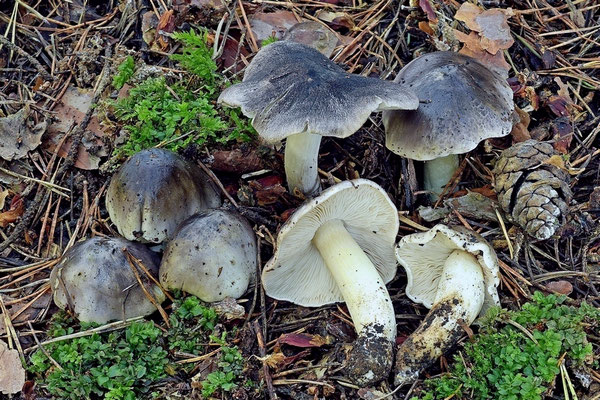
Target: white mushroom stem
{"x": 437, "y": 174}
{"x": 458, "y": 301}
{"x": 357, "y": 278}
{"x": 301, "y": 163}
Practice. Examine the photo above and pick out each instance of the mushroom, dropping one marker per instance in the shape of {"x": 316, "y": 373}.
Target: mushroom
{"x": 94, "y": 279}
{"x": 212, "y": 255}
{"x": 453, "y": 272}
{"x": 463, "y": 103}
{"x": 336, "y": 247}
{"x": 154, "y": 191}
{"x": 292, "y": 91}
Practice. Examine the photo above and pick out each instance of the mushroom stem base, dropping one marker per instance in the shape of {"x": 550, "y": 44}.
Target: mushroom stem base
{"x": 301, "y": 163}
{"x": 437, "y": 174}
{"x": 458, "y": 301}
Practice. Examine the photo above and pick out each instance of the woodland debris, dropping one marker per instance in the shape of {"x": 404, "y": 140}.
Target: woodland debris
{"x": 532, "y": 189}
{"x": 19, "y": 134}
{"x": 12, "y": 376}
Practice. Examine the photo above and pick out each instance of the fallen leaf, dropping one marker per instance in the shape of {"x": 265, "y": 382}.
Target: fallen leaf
{"x": 519, "y": 132}
{"x": 3, "y": 195}
{"x": 492, "y": 34}
{"x": 29, "y": 314}
{"x": 428, "y": 9}
{"x": 273, "y": 360}
{"x": 17, "y": 208}
{"x": 12, "y": 377}
{"x": 337, "y": 19}
{"x": 313, "y": 34}
{"x": 265, "y": 25}
{"x": 71, "y": 110}
{"x": 232, "y": 53}
{"x": 149, "y": 24}
{"x": 562, "y": 287}
{"x": 236, "y": 161}
{"x": 166, "y": 23}
{"x": 562, "y": 134}
{"x": 303, "y": 340}
{"x": 425, "y": 27}
{"x": 472, "y": 48}
{"x": 267, "y": 190}
{"x": 18, "y": 135}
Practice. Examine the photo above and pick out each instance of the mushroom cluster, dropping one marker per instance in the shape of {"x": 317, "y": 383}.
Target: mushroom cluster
{"x": 157, "y": 196}
{"x": 293, "y": 92}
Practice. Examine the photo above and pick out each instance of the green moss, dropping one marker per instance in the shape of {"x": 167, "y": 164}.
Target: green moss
{"x": 504, "y": 362}
{"x": 158, "y": 112}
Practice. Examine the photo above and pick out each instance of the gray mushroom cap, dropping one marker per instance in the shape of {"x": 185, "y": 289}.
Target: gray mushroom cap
{"x": 289, "y": 88}
{"x": 212, "y": 256}
{"x": 98, "y": 279}
{"x": 154, "y": 191}
{"x": 463, "y": 103}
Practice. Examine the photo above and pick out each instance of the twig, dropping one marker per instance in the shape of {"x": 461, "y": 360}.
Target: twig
{"x": 5, "y": 42}
{"x": 69, "y": 161}
{"x": 263, "y": 354}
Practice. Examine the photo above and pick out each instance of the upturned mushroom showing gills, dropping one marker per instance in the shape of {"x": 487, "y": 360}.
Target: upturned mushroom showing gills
{"x": 212, "y": 255}
{"x": 453, "y": 272}
{"x": 95, "y": 281}
{"x": 154, "y": 191}
{"x": 336, "y": 247}
{"x": 463, "y": 103}
{"x": 292, "y": 91}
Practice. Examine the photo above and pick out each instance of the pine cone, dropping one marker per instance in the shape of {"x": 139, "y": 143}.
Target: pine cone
{"x": 535, "y": 194}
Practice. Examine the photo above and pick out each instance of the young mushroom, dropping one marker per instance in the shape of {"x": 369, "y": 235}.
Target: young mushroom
{"x": 212, "y": 255}
{"x": 154, "y": 191}
{"x": 463, "y": 103}
{"x": 453, "y": 272}
{"x": 94, "y": 279}
{"x": 292, "y": 91}
{"x": 339, "y": 247}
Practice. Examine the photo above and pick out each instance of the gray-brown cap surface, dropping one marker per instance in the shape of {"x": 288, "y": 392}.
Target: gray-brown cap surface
{"x": 289, "y": 88}
{"x": 99, "y": 282}
{"x": 154, "y": 191}
{"x": 462, "y": 103}
{"x": 212, "y": 255}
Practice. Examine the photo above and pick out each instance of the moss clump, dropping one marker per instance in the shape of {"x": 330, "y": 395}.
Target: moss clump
{"x": 516, "y": 355}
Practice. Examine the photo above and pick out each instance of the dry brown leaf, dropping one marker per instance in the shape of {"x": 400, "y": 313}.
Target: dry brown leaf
{"x": 166, "y": 23}
{"x": 492, "y": 37}
{"x": 71, "y": 110}
{"x": 338, "y": 19}
{"x": 314, "y": 34}
{"x": 32, "y": 312}
{"x": 562, "y": 287}
{"x": 428, "y": 9}
{"x": 425, "y": 27}
{"x": 472, "y": 48}
{"x": 265, "y": 25}
{"x": 12, "y": 376}
{"x": 17, "y": 208}
{"x": 519, "y": 132}
{"x": 3, "y": 195}
{"x": 492, "y": 26}
{"x": 18, "y": 135}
